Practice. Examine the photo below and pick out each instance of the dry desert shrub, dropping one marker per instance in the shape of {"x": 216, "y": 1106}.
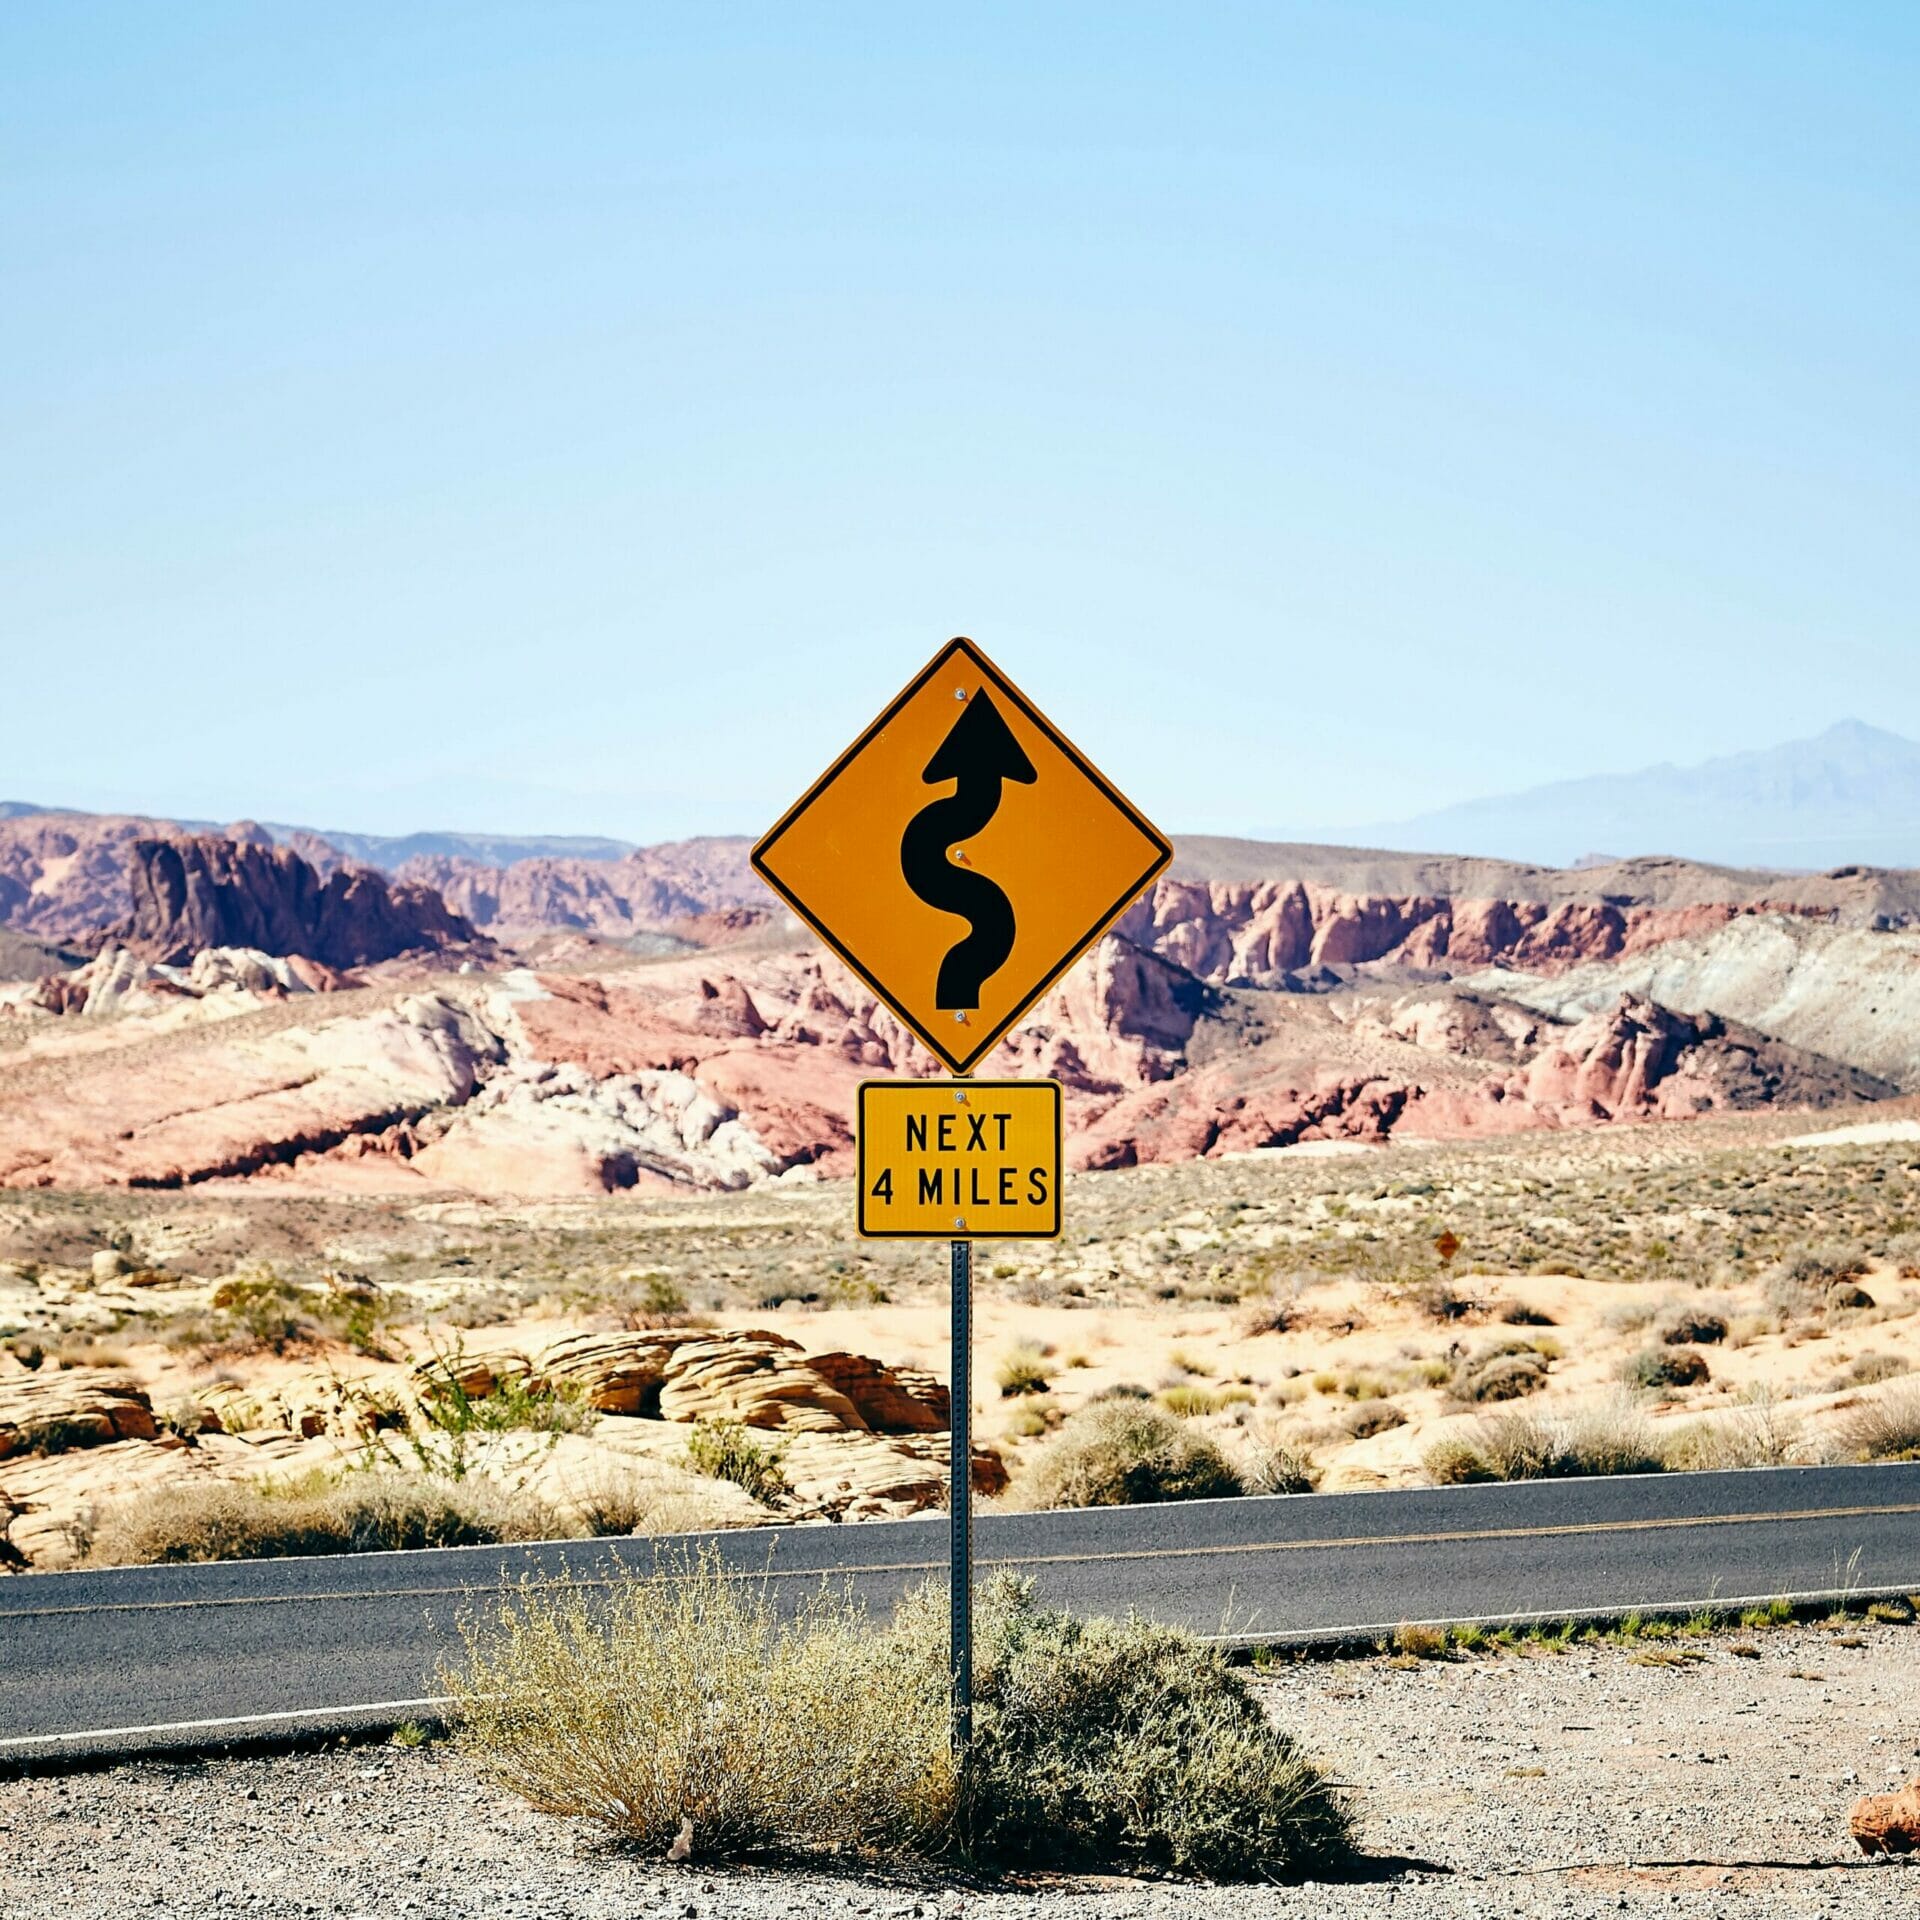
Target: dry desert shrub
{"x": 1268, "y": 1464}
{"x": 1655, "y": 1367}
{"x": 1692, "y": 1327}
{"x": 1123, "y": 1453}
{"x": 1883, "y": 1429}
{"x": 1023, "y": 1370}
{"x": 1764, "y": 1433}
{"x": 371, "y": 1512}
{"x": 1612, "y": 1437}
{"x": 1371, "y": 1417}
{"x": 1507, "y": 1370}
{"x": 689, "y": 1708}
{"x": 688, "y": 1697}
{"x": 725, "y": 1450}
{"x": 1809, "y": 1281}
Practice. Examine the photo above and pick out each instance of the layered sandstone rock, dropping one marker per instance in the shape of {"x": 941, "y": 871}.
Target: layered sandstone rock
{"x": 221, "y": 1106}
{"x": 58, "y": 1410}
{"x": 758, "y": 1378}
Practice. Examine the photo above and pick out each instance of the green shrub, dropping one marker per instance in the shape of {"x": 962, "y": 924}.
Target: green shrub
{"x": 726, "y": 1450}
{"x": 512, "y": 1405}
{"x": 1122, "y": 1453}
{"x": 257, "y": 1312}
{"x": 361, "y": 1513}
{"x": 1124, "y": 1744}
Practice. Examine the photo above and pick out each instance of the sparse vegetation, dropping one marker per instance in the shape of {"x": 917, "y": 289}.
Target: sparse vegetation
{"x": 1883, "y": 1429}
{"x": 726, "y": 1450}
{"x": 1610, "y": 1438}
{"x": 360, "y": 1513}
{"x": 1024, "y": 1370}
{"x": 1121, "y": 1453}
{"x": 688, "y": 1707}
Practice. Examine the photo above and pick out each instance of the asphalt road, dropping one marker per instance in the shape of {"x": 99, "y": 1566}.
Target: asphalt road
{"x": 94, "y": 1664}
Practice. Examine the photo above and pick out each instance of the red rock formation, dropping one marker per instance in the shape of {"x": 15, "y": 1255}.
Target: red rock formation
{"x": 690, "y": 884}
{"x": 190, "y": 894}
{"x": 1887, "y": 1822}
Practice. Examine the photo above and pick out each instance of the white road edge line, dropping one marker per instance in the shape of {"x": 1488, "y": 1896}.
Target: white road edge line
{"x": 239, "y": 1720}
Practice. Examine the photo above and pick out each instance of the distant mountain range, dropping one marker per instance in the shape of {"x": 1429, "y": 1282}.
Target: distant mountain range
{"x": 388, "y": 850}
{"x": 490, "y": 849}
{"x": 1848, "y": 796}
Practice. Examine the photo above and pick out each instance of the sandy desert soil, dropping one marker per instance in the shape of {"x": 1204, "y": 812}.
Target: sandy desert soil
{"x": 1596, "y": 1781}
{"x": 1308, "y": 1296}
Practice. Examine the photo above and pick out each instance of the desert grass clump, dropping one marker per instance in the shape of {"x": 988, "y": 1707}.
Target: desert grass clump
{"x": 726, "y": 1450}
{"x": 1605, "y": 1439}
{"x": 1763, "y": 1433}
{"x": 1123, "y": 1453}
{"x": 1267, "y": 1464}
{"x": 1023, "y": 1370}
{"x": 689, "y": 1703}
{"x": 370, "y": 1512}
{"x": 1883, "y": 1429}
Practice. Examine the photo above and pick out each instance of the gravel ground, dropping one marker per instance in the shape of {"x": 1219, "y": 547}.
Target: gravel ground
{"x": 1589, "y": 1782}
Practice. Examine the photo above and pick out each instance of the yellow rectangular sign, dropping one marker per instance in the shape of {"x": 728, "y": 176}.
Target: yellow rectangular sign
{"x": 960, "y": 1159}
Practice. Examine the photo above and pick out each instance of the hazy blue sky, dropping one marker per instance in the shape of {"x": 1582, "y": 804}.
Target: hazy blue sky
{"x": 580, "y": 418}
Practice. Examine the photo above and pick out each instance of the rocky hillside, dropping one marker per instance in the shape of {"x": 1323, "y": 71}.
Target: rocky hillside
{"x": 651, "y": 889}
{"x": 1257, "y": 997}
{"x": 682, "y": 1075}
{"x": 190, "y": 895}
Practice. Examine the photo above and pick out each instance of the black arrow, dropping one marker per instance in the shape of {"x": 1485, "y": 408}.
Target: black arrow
{"x": 978, "y": 754}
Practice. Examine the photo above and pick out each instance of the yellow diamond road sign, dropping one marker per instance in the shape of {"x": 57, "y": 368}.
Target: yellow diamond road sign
{"x": 960, "y": 855}
{"x": 978, "y": 1160}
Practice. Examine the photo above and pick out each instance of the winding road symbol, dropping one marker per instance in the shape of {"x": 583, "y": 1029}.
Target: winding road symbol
{"x": 978, "y": 755}
{"x": 958, "y": 902}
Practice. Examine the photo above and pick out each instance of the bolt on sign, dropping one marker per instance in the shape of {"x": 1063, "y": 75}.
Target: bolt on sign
{"x": 940, "y": 1159}
{"x": 961, "y": 855}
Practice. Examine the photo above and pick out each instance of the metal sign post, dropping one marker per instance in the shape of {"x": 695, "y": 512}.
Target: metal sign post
{"x": 960, "y": 1501}
{"x": 960, "y": 856}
